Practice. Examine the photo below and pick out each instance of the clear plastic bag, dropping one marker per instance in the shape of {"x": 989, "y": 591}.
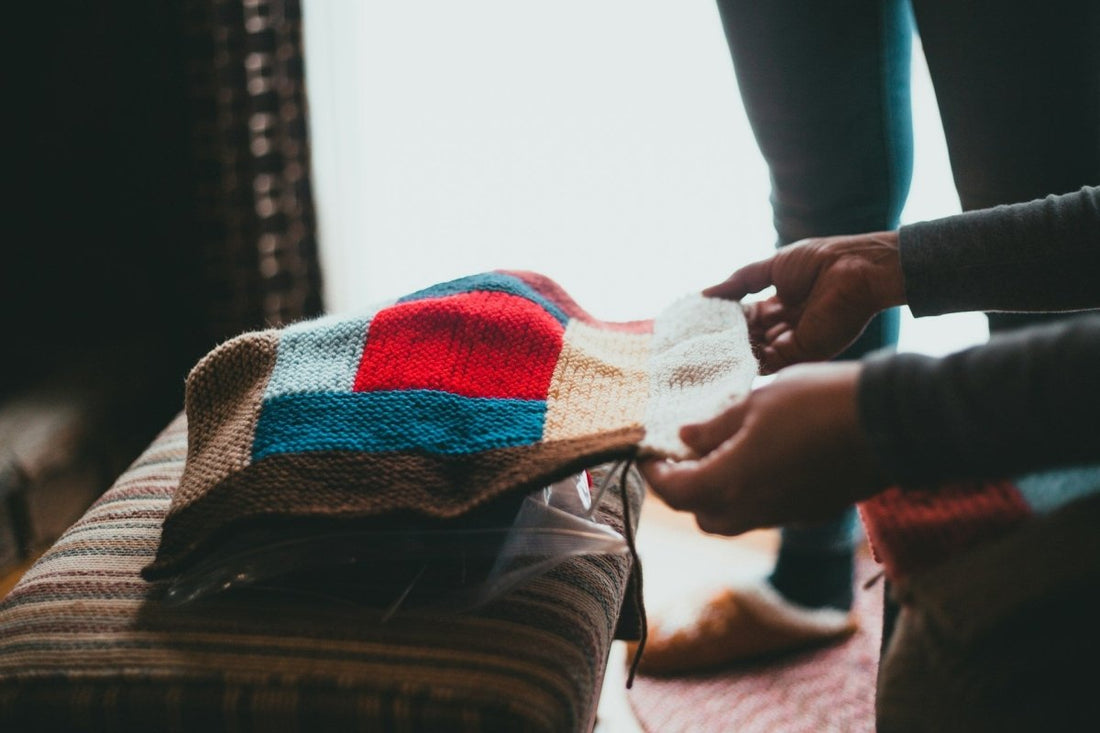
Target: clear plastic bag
{"x": 458, "y": 567}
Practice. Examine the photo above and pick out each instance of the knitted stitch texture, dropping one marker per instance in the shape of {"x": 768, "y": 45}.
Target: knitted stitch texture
{"x": 430, "y": 407}
{"x": 912, "y": 530}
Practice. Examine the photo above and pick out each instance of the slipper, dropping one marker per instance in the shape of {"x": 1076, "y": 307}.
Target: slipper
{"x": 737, "y": 624}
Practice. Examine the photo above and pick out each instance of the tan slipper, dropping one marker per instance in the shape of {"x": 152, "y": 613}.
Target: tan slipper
{"x": 737, "y": 624}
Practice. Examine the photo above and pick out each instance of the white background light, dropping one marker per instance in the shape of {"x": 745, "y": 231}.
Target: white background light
{"x": 601, "y": 143}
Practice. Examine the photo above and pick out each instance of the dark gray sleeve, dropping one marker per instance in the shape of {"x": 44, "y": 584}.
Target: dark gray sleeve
{"x": 1025, "y": 401}
{"x": 1043, "y": 255}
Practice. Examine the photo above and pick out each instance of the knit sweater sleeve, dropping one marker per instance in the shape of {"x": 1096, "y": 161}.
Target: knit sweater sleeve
{"x": 1025, "y": 401}
{"x": 1043, "y": 255}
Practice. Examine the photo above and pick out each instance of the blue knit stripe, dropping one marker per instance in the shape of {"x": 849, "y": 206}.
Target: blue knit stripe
{"x": 407, "y": 420}
{"x": 319, "y": 355}
{"x": 1049, "y": 490}
{"x": 492, "y": 282}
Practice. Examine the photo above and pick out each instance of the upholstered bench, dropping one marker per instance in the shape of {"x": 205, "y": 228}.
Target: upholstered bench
{"x": 86, "y": 644}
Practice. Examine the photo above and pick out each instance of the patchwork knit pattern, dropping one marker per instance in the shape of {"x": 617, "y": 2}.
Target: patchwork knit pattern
{"x": 911, "y": 530}
{"x": 435, "y": 404}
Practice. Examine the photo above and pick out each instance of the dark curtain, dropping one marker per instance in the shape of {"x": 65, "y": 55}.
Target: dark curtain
{"x": 158, "y": 203}
{"x": 255, "y": 209}
{"x": 161, "y": 169}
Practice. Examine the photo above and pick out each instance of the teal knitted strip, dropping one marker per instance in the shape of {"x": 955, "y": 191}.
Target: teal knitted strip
{"x": 1044, "y": 492}
{"x": 426, "y": 420}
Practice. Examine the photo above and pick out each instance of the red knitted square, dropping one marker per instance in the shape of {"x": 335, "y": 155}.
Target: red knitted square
{"x": 914, "y": 529}
{"x": 477, "y": 344}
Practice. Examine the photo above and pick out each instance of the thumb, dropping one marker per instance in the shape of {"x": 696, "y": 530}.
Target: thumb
{"x": 749, "y": 279}
{"x": 704, "y": 437}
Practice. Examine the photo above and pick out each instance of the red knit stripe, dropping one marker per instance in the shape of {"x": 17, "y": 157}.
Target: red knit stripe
{"x": 910, "y": 530}
{"x": 479, "y": 344}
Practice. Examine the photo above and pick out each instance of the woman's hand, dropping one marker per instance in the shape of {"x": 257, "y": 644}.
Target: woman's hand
{"x": 792, "y": 451}
{"x": 826, "y": 291}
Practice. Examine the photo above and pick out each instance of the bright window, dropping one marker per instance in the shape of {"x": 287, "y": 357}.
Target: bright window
{"x": 601, "y": 143}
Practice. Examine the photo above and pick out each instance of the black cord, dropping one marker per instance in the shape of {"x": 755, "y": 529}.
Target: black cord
{"x": 635, "y": 571}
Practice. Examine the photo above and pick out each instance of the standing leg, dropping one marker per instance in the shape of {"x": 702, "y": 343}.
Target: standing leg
{"x": 1018, "y": 85}
{"x": 826, "y": 90}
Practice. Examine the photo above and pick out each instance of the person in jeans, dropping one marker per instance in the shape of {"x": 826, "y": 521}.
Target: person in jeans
{"x": 826, "y": 90}
{"x": 978, "y": 473}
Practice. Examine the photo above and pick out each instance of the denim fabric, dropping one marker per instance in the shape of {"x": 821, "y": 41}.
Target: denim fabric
{"x": 826, "y": 90}
{"x": 1019, "y": 97}
{"x": 836, "y": 535}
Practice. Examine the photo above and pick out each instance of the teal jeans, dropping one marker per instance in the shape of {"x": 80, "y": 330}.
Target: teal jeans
{"x": 826, "y": 89}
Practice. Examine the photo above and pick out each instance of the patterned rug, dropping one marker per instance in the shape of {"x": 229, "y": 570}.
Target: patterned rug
{"x": 827, "y": 689}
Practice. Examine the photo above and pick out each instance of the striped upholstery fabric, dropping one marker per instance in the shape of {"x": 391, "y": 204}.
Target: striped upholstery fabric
{"x": 86, "y": 645}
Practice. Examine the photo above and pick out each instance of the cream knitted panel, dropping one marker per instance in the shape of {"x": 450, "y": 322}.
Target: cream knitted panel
{"x": 599, "y": 383}
{"x": 700, "y": 363}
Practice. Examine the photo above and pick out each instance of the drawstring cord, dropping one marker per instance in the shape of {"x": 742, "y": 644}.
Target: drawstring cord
{"x": 870, "y": 583}
{"x": 635, "y": 571}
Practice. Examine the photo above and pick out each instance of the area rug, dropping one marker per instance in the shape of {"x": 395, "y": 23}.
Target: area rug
{"x": 826, "y": 689}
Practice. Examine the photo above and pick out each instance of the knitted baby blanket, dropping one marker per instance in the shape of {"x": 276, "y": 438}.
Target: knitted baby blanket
{"x": 436, "y": 404}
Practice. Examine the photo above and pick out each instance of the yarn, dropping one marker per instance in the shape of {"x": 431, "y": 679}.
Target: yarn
{"x": 437, "y": 404}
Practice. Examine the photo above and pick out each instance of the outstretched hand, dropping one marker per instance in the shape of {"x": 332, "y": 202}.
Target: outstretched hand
{"x": 792, "y": 451}
{"x": 826, "y": 291}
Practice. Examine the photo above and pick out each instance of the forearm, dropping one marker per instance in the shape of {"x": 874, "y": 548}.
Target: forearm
{"x": 1043, "y": 255}
{"x": 1023, "y": 402}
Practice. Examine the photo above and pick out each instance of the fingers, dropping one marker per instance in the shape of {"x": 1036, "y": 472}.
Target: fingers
{"x": 767, "y": 313}
{"x": 786, "y": 349}
{"x": 695, "y": 485}
{"x": 776, "y": 331}
{"x": 679, "y": 483}
{"x": 749, "y": 279}
{"x": 777, "y": 348}
{"x": 781, "y": 347}
{"x": 771, "y": 361}
{"x": 768, "y": 320}
{"x": 719, "y": 524}
{"x": 688, "y": 486}
{"x": 704, "y": 437}
{"x": 816, "y": 337}
{"x": 786, "y": 346}
{"x": 764, "y": 314}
